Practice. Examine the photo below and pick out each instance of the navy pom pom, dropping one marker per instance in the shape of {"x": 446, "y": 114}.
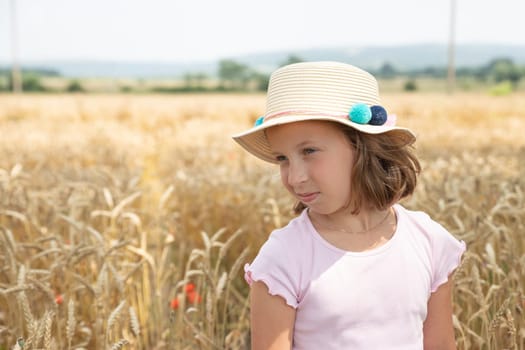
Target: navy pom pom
{"x": 379, "y": 115}
{"x": 360, "y": 113}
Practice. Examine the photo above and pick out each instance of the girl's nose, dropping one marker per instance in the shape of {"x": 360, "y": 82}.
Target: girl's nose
{"x": 297, "y": 174}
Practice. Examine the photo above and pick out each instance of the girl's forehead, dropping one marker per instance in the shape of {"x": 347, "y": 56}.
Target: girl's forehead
{"x": 312, "y": 127}
{"x": 292, "y": 134}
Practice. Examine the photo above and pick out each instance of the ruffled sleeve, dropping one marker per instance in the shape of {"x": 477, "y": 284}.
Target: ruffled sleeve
{"x": 446, "y": 255}
{"x": 274, "y": 265}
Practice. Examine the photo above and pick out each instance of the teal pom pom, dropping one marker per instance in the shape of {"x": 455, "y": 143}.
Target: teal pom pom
{"x": 379, "y": 115}
{"x": 259, "y": 121}
{"x": 360, "y": 113}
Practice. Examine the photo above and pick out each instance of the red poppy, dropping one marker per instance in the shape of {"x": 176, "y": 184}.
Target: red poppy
{"x": 174, "y": 304}
{"x": 59, "y": 299}
{"x": 189, "y": 288}
{"x": 193, "y": 297}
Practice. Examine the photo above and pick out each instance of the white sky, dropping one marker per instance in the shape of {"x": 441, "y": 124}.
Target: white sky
{"x": 205, "y": 30}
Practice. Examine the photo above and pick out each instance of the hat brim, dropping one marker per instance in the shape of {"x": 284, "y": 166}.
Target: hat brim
{"x": 254, "y": 140}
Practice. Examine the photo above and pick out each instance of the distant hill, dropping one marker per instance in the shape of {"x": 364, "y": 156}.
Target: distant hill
{"x": 407, "y": 57}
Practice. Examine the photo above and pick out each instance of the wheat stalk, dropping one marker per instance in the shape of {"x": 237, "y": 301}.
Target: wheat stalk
{"x": 26, "y": 310}
{"x": 221, "y": 284}
{"x": 40, "y": 329}
{"x": 509, "y": 321}
{"x": 134, "y": 322}
{"x": 48, "y": 320}
{"x": 71, "y": 321}
{"x": 115, "y": 315}
{"x": 120, "y": 344}
{"x": 21, "y": 275}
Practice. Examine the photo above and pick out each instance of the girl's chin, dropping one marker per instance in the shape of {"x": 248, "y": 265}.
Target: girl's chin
{"x": 323, "y": 210}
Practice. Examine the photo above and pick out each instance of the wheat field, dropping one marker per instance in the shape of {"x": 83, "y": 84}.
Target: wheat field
{"x": 125, "y": 220}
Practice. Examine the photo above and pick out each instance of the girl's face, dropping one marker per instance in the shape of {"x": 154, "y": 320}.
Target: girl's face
{"x": 315, "y": 159}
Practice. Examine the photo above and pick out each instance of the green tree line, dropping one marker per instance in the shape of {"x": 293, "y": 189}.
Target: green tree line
{"x": 498, "y": 70}
{"x": 235, "y": 76}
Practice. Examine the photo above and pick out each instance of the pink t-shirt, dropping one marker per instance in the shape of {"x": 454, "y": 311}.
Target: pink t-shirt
{"x": 369, "y": 300}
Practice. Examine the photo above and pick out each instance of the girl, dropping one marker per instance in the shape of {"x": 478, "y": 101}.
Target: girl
{"x": 354, "y": 269}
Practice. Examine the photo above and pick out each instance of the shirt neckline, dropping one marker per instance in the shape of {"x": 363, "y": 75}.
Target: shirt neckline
{"x": 311, "y": 228}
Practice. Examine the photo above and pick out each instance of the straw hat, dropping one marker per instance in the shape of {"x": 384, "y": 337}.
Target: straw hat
{"x": 328, "y": 91}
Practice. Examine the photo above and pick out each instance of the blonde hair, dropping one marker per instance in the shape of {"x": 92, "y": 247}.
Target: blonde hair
{"x": 385, "y": 169}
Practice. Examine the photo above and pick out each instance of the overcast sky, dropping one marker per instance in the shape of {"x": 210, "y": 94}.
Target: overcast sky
{"x": 205, "y": 30}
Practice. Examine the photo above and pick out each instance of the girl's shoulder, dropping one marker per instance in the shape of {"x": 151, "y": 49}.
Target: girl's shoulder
{"x": 281, "y": 261}
{"x": 413, "y": 215}
{"x": 429, "y": 238}
{"x": 420, "y": 221}
{"x": 424, "y": 231}
{"x": 295, "y": 229}
{"x": 288, "y": 242}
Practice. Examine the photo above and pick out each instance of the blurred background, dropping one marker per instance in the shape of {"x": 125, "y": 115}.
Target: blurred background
{"x": 127, "y": 211}
{"x": 181, "y": 46}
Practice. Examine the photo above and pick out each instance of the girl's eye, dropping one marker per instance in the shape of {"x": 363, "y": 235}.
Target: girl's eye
{"x": 308, "y": 150}
{"x": 280, "y": 158}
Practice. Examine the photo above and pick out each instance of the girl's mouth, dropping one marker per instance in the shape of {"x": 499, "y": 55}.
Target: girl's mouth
{"x": 307, "y": 197}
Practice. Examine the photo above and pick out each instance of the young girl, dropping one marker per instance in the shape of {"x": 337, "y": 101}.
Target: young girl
{"x": 354, "y": 269}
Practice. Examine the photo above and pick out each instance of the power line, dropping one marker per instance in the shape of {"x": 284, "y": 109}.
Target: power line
{"x": 451, "y": 74}
{"x": 15, "y": 69}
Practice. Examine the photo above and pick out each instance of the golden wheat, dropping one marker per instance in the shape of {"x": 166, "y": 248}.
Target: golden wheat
{"x": 140, "y": 212}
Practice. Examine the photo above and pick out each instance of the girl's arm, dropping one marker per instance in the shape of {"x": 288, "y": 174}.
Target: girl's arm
{"x": 272, "y": 320}
{"x": 438, "y": 330}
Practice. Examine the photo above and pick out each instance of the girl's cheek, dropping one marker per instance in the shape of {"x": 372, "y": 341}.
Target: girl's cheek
{"x": 284, "y": 181}
{"x": 284, "y": 177}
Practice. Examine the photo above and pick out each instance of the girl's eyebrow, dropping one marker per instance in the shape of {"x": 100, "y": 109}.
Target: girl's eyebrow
{"x": 299, "y": 145}
{"x": 304, "y": 143}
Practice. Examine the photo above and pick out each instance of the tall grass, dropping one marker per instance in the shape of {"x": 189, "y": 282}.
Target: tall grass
{"x": 125, "y": 220}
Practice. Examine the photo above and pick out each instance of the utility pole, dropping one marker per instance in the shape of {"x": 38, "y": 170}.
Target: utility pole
{"x": 15, "y": 69}
{"x": 451, "y": 74}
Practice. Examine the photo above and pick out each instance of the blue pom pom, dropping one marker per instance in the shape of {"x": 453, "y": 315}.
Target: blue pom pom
{"x": 360, "y": 113}
{"x": 259, "y": 121}
{"x": 379, "y": 115}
